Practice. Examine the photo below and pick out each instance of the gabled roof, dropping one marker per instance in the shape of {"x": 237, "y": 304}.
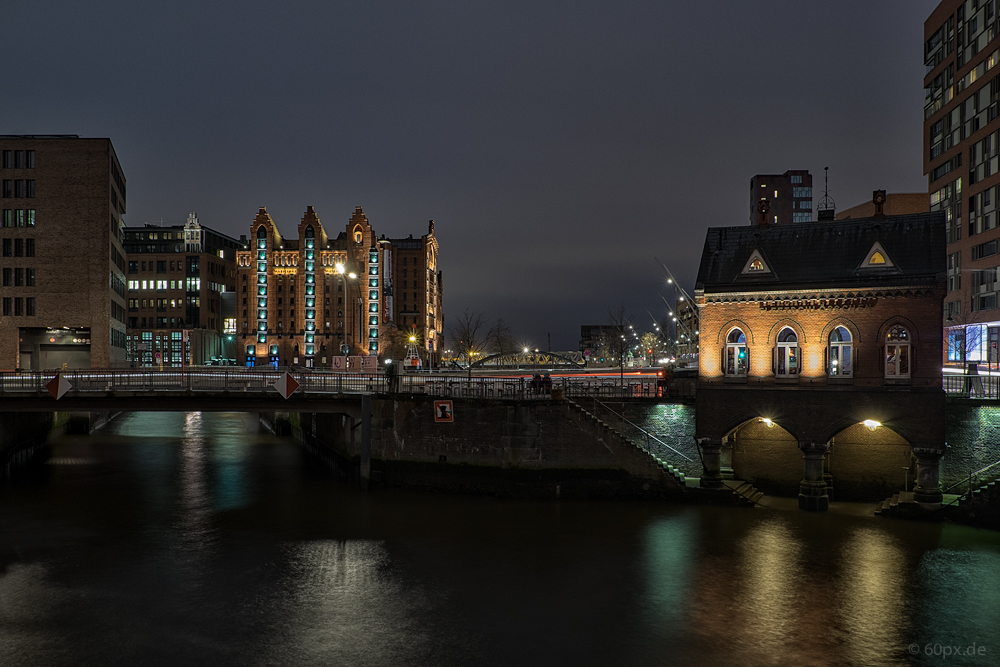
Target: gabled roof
{"x": 825, "y": 254}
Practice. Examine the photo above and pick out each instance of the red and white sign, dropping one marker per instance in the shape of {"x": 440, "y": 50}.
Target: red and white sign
{"x": 338, "y": 363}
{"x": 444, "y": 411}
{"x": 286, "y": 385}
{"x": 369, "y": 364}
{"x": 58, "y": 386}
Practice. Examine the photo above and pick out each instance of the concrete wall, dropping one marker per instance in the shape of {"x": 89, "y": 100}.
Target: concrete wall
{"x": 495, "y": 447}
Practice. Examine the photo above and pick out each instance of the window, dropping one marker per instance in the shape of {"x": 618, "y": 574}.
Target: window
{"x": 897, "y": 353}
{"x": 18, "y": 247}
{"x": 30, "y": 192}
{"x": 737, "y": 359}
{"x": 7, "y": 248}
{"x": 787, "y": 354}
{"x": 7, "y": 305}
{"x": 8, "y": 218}
{"x": 8, "y": 277}
{"x": 29, "y": 247}
{"x": 18, "y": 159}
{"x": 803, "y": 192}
{"x": 796, "y": 179}
{"x": 801, "y": 217}
{"x": 8, "y": 189}
{"x": 29, "y": 306}
{"x": 18, "y": 188}
{"x": 840, "y": 353}
{"x": 8, "y": 162}
{"x": 161, "y": 266}
{"x": 18, "y": 277}
{"x": 18, "y": 306}
{"x": 133, "y": 267}
{"x": 954, "y": 271}
{"x": 29, "y": 277}
{"x": 30, "y": 162}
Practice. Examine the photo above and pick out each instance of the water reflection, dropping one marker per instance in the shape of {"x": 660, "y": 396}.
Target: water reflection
{"x": 873, "y": 605}
{"x": 194, "y": 539}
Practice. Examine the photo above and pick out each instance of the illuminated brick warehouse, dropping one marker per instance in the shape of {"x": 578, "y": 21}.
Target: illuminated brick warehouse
{"x": 308, "y": 300}
{"x": 820, "y": 357}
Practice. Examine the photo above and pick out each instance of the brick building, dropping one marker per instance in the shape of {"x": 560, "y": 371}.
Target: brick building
{"x": 63, "y": 267}
{"x": 789, "y": 196}
{"x": 307, "y": 300}
{"x": 176, "y": 277}
{"x": 961, "y": 149}
{"x": 896, "y": 203}
{"x": 800, "y": 347}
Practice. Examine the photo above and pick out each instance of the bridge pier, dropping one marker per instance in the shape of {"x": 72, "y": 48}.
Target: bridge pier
{"x": 927, "y": 490}
{"x": 813, "y": 496}
{"x": 711, "y": 457}
{"x": 366, "y": 440}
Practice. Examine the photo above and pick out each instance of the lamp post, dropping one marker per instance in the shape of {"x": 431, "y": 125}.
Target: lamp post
{"x": 343, "y": 329}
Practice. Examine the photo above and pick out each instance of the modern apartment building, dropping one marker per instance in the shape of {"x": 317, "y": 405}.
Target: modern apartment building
{"x": 62, "y": 292}
{"x": 309, "y": 300}
{"x": 789, "y": 197}
{"x": 177, "y": 275}
{"x": 962, "y": 163}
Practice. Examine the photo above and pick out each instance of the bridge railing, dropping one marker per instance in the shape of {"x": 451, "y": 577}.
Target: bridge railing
{"x": 194, "y": 380}
{"x": 526, "y": 388}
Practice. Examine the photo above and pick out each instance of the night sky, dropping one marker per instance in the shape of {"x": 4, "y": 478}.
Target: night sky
{"x": 559, "y": 147}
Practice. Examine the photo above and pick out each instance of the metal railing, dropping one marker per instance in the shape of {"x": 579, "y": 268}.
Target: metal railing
{"x": 970, "y": 385}
{"x": 251, "y": 380}
{"x": 975, "y": 480}
{"x": 632, "y": 430}
{"x": 194, "y": 380}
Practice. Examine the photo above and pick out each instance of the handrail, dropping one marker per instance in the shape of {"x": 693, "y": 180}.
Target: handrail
{"x": 644, "y": 431}
{"x": 971, "y": 475}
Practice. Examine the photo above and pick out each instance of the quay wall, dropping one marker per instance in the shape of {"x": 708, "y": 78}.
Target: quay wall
{"x": 500, "y": 447}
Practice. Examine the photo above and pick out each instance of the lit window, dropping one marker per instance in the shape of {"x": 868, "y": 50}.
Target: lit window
{"x": 897, "y": 353}
{"x": 840, "y": 353}
{"x": 787, "y": 354}
{"x": 877, "y": 258}
{"x": 737, "y": 358}
{"x": 756, "y": 265}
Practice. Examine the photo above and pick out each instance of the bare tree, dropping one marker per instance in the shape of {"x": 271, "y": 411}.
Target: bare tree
{"x": 620, "y": 325}
{"x": 501, "y": 341}
{"x": 469, "y": 338}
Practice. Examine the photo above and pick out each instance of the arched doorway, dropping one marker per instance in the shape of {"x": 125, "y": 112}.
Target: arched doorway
{"x": 868, "y": 462}
{"x": 766, "y": 455}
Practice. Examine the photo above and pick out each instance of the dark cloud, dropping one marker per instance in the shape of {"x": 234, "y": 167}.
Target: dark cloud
{"x": 559, "y": 146}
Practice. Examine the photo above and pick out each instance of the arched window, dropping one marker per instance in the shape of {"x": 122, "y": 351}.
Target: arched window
{"x": 840, "y": 353}
{"x": 897, "y": 353}
{"x": 787, "y": 353}
{"x": 737, "y": 357}
{"x": 358, "y": 236}
{"x": 261, "y": 238}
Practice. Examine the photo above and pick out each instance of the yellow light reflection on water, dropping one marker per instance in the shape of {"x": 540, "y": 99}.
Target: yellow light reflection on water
{"x": 872, "y": 605}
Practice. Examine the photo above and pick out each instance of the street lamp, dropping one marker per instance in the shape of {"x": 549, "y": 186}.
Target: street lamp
{"x": 340, "y": 268}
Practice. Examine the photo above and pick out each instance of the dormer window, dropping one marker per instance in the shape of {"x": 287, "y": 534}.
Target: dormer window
{"x": 756, "y": 265}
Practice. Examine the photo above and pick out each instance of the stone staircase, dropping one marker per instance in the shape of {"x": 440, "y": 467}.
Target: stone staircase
{"x": 746, "y": 492}
{"x": 988, "y": 489}
{"x": 667, "y": 468}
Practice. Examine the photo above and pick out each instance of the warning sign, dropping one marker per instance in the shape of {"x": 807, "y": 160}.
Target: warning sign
{"x": 444, "y": 411}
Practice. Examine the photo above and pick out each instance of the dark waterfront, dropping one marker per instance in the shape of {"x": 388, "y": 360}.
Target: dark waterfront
{"x": 193, "y": 539}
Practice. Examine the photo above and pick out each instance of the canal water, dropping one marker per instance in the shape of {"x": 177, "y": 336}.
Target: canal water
{"x": 174, "y": 539}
